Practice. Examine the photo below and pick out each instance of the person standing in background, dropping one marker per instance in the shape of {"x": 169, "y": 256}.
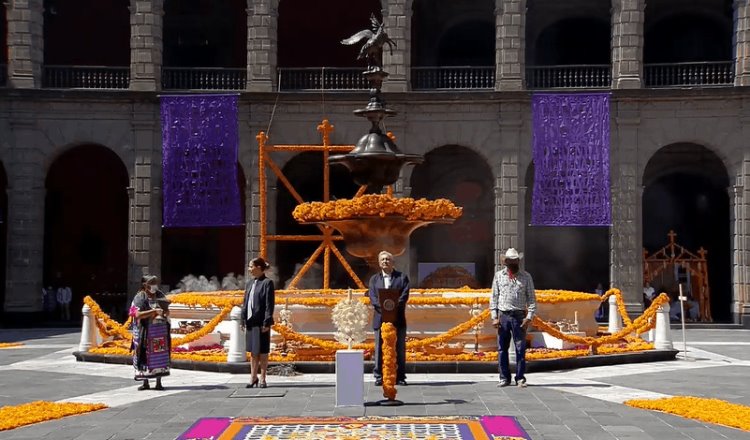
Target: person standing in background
{"x": 64, "y": 297}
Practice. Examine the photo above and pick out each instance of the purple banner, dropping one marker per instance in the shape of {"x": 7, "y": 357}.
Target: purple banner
{"x": 199, "y": 144}
{"x": 571, "y": 160}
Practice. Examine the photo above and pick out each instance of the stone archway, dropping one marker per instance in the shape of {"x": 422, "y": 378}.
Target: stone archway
{"x": 86, "y": 225}
{"x": 208, "y": 251}
{"x": 463, "y": 176}
{"x": 580, "y": 40}
{"x": 565, "y": 257}
{"x": 685, "y": 190}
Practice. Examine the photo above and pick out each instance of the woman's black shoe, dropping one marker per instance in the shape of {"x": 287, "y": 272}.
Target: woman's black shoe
{"x": 252, "y": 384}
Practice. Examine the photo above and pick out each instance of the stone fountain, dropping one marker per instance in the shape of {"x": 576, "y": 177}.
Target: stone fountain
{"x": 375, "y": 162}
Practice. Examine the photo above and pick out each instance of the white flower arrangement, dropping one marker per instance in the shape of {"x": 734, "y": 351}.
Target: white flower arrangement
{"x": 350, "y": 317}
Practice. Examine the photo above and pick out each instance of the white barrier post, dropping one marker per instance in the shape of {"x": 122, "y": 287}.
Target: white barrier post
{"x": 88, "y": 330}
{"x": 615, "y": 322}
{"x": 237, "y": 350}
{"x": 663, "y": 336}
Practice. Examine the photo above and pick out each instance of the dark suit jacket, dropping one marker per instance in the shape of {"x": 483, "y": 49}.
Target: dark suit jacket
{"x": 400, "y": 281}
{"x": 263, "y": 302}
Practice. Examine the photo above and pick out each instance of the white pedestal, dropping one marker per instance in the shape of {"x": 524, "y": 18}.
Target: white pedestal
{"x": 350, "y": 378}
{"x": 560, "y": 344}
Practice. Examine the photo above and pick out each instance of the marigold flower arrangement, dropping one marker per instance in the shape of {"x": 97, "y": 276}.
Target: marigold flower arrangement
{"x": 10, "y": 344}
{"x": 388, "y": 333}
{"x": 377, "y": 205}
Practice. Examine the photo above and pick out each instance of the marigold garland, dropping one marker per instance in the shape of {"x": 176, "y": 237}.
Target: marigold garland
{"x": 107, "y": 326}
{"x": 10, "y": 344}
{"x": 15, "y": 416}
{"x": 377, "y": 205}
{"x": 208, "y": 328}
{"x": 715, "y": 411}
{"x": 388, "y": 333}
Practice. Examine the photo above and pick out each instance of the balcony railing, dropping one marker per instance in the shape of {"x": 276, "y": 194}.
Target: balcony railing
{"x": 322, "y": 78}
{"x": 702, "y": 74}
{"x": 571, "y": 76}
{"x": 85, "y": 77}
{"x": 203, "y": 78}
{"x": 453, "y": 78}
{"x": 3, "y": 75}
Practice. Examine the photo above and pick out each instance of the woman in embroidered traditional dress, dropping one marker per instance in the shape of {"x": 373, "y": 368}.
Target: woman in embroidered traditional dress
{"x": 257, "y": 316}
{"x": 151, "y": 333}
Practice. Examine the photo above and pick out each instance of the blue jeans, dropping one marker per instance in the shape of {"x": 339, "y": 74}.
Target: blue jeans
{"x": 377, "y": 371}
{"x": 510, "y": 327}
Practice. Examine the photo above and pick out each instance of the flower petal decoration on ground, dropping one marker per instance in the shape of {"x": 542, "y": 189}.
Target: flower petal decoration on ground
{"x": 15, "y": 416}
{"x": 10, "y": 344}
{"x": 707, "y": 410}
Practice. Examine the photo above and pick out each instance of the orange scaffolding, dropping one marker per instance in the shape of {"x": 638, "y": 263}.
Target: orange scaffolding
{"x": 673, "y": 255}
{"x": 328, "y": 235}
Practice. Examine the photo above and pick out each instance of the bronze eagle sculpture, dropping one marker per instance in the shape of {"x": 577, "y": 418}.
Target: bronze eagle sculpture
{"x": 373, "y": 47}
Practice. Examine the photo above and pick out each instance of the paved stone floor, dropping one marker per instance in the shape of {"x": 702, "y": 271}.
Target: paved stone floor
{"x": 573, "y": 404}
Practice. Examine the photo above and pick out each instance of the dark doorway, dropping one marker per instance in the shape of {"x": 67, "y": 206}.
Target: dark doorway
{"x": 574, "y": 41}
{"x": 565, "y": 257}
{"x": 305, "y": 172}
{"x": 208, "y": 251}
{"x": 464, "y": 177}
{"x": 86, "y": 225}
{"x": 688, "y": 38}
{"x": 686, "y": 191}
{"x": 205, "y": 33}
{"x": 87, "y": 32}
{"x": 310, "y": 33}
{"x": 468, "y": 44}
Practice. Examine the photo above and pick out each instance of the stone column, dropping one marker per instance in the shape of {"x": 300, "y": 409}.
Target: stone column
{"x": 739, "y": 200}
{"x": 145, "y": 202}
{"x": 25, "y": 43}
{"x": 397, "y": 17}
{"x": 25, "y": 248}
{"x": 742, "y": 43}
{"x": 146, "y": 27}
{"x": 626, "y": 254}
{"x": 262, "y": 45}
{"x": 509, "y": 179}
{"x": 510, "y": 44}
{"x": 627, "y": 43}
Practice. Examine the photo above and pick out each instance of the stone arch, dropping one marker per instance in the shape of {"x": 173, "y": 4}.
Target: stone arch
{"x": 208, "y": 251}
{"x": 72, "y": 134}
{"x": 196, "y": 36}
{"x": 572, "y": 40}
{"x": 303, "y": 42}
{"x": 86, "y": 213}
{"x": 462, "y": 175}
{"x": 564, "y": 257}
{"x": 685, "y": 190}
{"x": 305, "y": 172}
{"x": 64, "y": 44}
{"x": 688, "y": 35}
{"x": 438, "y": 25}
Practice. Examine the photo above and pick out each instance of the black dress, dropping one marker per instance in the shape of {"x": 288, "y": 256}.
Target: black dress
{"x": 262, "y": 305}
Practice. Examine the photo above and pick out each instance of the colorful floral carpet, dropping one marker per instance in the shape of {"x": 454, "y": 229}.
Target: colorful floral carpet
{"x": 366, "y": 428}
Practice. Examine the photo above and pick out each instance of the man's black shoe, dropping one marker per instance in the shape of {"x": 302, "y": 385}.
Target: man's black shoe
{"x": 401, "y": 382}
{"x": 378, "y": 382}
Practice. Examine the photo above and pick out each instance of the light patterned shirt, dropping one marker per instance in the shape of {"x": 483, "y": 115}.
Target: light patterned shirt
{"x": 512, "y": 293}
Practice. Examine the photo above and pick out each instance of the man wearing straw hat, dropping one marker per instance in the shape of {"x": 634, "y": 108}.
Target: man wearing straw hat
{"x": 512, "y": 307}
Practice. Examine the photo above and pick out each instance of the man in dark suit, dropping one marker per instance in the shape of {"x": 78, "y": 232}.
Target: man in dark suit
{"x": 389, "y": 278}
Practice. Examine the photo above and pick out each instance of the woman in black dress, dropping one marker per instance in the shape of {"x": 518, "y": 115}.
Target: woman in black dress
{"x": 257, "y": 314}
